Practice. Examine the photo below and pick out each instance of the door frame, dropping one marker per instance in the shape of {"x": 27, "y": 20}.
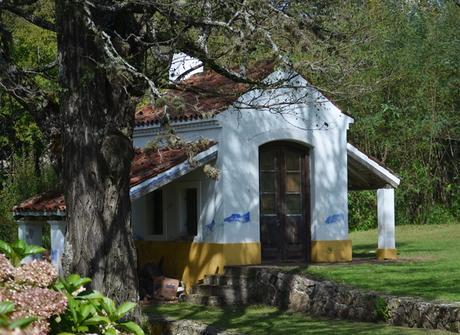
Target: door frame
{"x": 306, "y": 189}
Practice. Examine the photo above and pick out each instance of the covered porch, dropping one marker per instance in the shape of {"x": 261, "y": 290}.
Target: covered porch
{"x": 366, "y": 173}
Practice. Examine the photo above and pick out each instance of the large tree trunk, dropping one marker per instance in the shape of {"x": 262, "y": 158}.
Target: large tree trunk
{"x": 98, "y": 119}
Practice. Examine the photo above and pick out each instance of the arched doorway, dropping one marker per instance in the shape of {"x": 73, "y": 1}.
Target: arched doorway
{"x": 284, "y": 188}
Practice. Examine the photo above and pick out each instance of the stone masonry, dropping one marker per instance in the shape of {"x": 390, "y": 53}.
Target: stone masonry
{"x": 300, "y": 293}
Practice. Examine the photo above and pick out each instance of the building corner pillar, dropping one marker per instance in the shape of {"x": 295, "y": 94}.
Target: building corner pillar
{"x": 57, "y": 235}
{"x": 386, "y": 224}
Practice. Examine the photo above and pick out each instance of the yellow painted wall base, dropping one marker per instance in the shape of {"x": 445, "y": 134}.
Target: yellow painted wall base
{"x": 190, "y": 261}
{"x": 383, "y": 254}
{"x": 331, "y": 251}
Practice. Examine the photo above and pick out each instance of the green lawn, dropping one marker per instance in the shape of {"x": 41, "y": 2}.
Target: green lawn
{"x": 268, "y": 320}
{"x": 429, "y": 264}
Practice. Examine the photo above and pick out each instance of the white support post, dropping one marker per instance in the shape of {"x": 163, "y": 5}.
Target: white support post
{"x": 57, "y": 229}
{"x": 386, "y": 223}
{"x": 30, "y": 231}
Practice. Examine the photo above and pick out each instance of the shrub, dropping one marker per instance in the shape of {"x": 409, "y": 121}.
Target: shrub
{"x": 91, "y": 312}
{"x": 362, "y": 213}
{"x": 34, "y": 301}
{"x": 20, "y": 183}
{"x": 26, "y": 287}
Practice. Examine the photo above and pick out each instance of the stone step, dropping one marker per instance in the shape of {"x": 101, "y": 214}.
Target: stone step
{"x": 230, "y": 294}
{"x": 223, "y": 280}
{"x": 214, "y": 301}
{"x": 240, "y": 271}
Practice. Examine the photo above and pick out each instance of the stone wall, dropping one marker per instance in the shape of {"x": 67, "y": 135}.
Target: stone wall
{"x": 300, "y": 293}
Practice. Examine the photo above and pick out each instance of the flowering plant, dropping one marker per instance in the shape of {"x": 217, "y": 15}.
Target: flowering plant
{"x": 33, "y": 301}
{"x": 7, "y": 308}
{"x": 25, "y": 294}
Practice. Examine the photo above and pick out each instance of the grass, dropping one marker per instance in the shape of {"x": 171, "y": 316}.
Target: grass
{"x": 268, "y": 320}
{"x": 429, "y": 264}
{"x": 428, "y": 267}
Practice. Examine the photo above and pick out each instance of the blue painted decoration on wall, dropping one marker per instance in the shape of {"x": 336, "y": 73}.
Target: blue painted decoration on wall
{"x": 334, "y": 218}
{"x": 235, "y": 217}
{"x": 210, "y": 226}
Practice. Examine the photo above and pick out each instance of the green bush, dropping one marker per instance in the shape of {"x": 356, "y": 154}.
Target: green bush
{"x": 90, "y": 311}
{"x": 362, "y": 210}
{"x": 21, "y": 182}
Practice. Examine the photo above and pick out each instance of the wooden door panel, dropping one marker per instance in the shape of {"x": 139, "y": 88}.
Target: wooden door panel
{"x": 293, "y": 229}
{"x": 284, "y": 202}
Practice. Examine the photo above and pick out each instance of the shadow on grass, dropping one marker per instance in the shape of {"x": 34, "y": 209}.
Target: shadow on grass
{"x": 260, "y": 320}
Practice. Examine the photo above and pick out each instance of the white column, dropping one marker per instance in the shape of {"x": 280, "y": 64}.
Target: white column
{"x": 386, "y": 223}
{"x": 57, "y": 229}
{"x": 30, "y": 231}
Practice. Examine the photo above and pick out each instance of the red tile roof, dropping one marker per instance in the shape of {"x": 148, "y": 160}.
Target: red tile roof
{"x": 201, "y": 96}
{"x": 45, "y": 202}
{"x": 146, "y": 164}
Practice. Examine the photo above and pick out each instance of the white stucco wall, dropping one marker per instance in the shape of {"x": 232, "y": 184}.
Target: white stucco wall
{"x": 315, "y": 123}
{"x": 300, "y": 115}
{"x": 209, "y": 204}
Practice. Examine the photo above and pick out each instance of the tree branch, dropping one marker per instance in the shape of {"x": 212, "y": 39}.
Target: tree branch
{"x": 17, "y": 10}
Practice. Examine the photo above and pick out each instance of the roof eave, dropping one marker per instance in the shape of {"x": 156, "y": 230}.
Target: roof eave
{"x": 173, "y": 173}
{"x": 38, "y": 214}
{"x": 390, "y": 178}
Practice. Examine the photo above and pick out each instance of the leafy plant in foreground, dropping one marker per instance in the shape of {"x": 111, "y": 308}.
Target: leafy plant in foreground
{"x": 6, "y": 308}
{"x": 18, "y": 250}
{"x": 91, "y": 312}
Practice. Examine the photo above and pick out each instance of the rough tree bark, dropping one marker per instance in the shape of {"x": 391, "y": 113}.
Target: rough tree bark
{"x": 97, "y": 109}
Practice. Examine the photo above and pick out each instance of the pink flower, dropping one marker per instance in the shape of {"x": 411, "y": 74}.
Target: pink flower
{"x": 27, "y": 287}
{"x": 39, "y": 302}
{"x": 6, "y": 269}
{"x": 36, "y": 273}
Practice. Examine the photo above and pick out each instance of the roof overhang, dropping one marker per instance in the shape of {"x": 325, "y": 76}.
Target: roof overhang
{"x": 364, "y": 173}
{"x": 173, "y": 173}
{"x": 58, "y": 214}
{"x": 52, "y": 205}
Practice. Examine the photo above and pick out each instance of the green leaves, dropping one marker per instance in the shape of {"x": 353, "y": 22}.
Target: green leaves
{"x": 7, "y": 307}
{"x": 131, "y": 327}
{"x": 91, "y": 312}
{"x": 22, "y": 323}
{"x": 72, "y": 283}
{"x": 18, "y": 250}
{"x": 123, "y": 309}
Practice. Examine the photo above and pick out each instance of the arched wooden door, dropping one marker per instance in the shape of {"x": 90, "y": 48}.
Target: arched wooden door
{"x": 284, "y": 202}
